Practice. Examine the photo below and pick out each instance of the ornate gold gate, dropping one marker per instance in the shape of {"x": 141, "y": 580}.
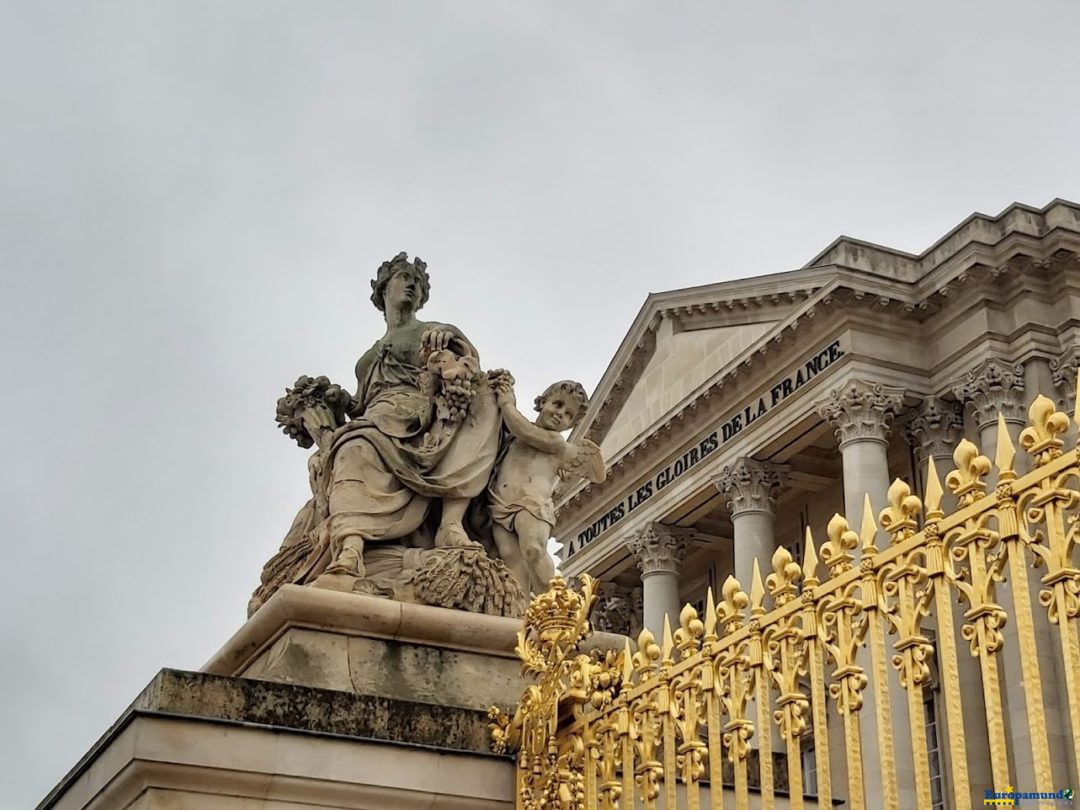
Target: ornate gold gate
{"x": 608, "y": 730}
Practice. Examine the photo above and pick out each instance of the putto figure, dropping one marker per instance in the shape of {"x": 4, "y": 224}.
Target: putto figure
{"x": 535, "y": 459}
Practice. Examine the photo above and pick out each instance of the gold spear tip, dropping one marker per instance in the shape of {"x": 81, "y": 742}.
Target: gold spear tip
{"x": 1006, "y": 451}
{"x": 757, "y": 589}
{"x": 868, "y": 531}
{"x": 810, "y": 559}
{"x": 710, "y": 614}
{"x": 933, "y": 489}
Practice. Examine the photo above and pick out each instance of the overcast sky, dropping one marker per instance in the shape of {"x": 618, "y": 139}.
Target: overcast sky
{"x": 194, "y": 196}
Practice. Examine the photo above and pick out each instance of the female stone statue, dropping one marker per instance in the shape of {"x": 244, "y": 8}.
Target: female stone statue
{"x": 420, "y": 446}
{"x": 426, "y": 428}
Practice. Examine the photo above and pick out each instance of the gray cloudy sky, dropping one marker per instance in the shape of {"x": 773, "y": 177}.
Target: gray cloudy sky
{"x": 194, "y": 195}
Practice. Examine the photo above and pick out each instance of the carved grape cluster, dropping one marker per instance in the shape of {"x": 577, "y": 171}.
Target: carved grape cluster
{"x": 312, "y": 403}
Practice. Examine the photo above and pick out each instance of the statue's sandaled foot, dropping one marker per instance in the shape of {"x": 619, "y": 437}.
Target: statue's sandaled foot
{"x": 454, "y": 536}
{"x": 343, "y": 573}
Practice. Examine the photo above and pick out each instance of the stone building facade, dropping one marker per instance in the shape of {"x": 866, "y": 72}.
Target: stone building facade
{"x": 736, "y": 415}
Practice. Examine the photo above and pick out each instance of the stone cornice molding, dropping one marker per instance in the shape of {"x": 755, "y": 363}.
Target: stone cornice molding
{"x": 751, "y": 485}
{"x": 992, "y": 387}
{"x": 660, "y": 548}
{"x": 935, "y": 428}
{"x": 862, "y": 411}
{"x": 980, "y": 249}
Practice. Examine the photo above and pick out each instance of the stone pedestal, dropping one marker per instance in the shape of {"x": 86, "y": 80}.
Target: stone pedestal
{"x": 322, "y": 700}
{"x": 360, "y": 644}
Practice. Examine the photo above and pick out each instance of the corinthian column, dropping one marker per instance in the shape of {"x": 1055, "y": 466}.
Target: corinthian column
{"x": 862, "y": 414}
{"x": 934, "y": 432}
{"x": 996, "y": 386}
{"x": 660, "y": 551}
{"x": 750, "y": 488}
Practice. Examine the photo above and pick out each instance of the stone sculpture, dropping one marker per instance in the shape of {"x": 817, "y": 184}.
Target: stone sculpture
{"x": 536, "y": 458}
{"x": 409, "y": 476}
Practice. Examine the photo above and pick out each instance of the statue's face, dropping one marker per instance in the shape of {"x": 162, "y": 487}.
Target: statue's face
{"x": 557, "y": 412}
{"x": 403, "y": 291}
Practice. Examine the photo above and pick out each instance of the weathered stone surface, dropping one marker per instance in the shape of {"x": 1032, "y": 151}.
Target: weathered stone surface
{"x": 304, "y": 708}
{"x": 193, "y": 741}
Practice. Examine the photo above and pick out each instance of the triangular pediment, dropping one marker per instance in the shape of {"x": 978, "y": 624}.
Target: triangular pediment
{"x": 681, "y": 361}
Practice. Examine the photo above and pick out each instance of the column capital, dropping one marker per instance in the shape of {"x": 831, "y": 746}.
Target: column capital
{"x": 1063, "y": 371}
{"x": 994, "y": 386}
{"x": 936, "y": 428}
{"x": 660, "y": 548}
{"x": 750, "y": 485}
{"x": 862, "y": 411}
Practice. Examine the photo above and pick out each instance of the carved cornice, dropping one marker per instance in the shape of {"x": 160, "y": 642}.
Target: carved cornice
{"x": 751, "y": 485}
{"x": 935, "y": 428}
{"x": 660, "y": 548}
{"x": 994, "y": 386}
{"x": 862, "y": 411}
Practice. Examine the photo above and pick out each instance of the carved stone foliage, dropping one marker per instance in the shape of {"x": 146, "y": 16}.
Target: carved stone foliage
{"x": 751, "y": 485}
{"x": 935, "y": 428}
{"x": 994, "y": 386}
{"x": 660, "y": 548}
{"x": 1064, "y": 370}
{"x": 862, "y": 411}
{"x": 618, "y": 609}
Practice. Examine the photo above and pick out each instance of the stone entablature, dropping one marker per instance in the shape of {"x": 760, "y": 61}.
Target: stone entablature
{"x": 982, "y": 248}
{"x": 913, "y": 338}
{"x": 637, "y": 481}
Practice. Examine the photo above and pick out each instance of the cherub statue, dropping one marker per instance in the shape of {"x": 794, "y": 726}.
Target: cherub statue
{"x": 537, "y": 456}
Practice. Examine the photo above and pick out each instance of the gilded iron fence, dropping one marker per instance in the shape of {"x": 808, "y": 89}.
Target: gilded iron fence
{"x": 618, "y": 730}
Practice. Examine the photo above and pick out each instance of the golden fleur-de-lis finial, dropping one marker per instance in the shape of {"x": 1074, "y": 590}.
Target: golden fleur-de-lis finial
{"x": 933, "y": 491}
{"x": 898, "y": 518}
{"x": 691, "y": 629}
{"x": 1042, "y": 439}
{"x": 965, "y": 482}
{"x": 786, "y": 574}
{"x": 648, "y": 654}
{"x": 730, "y": 610}
{"x": 836, "y": 553}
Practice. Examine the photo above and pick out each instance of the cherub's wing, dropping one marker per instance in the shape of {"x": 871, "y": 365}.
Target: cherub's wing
{"x": 586, "y": 462}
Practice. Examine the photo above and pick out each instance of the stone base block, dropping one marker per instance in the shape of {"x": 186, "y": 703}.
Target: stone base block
{"x": 193, "y": 741}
